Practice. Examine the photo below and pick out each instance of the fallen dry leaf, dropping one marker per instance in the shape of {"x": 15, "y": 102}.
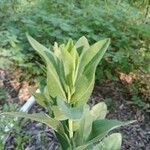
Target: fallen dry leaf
{"x": 126, "y": 78}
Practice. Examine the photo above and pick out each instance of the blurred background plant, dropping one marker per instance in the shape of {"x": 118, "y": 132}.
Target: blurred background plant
{"x": 126, "y": 22}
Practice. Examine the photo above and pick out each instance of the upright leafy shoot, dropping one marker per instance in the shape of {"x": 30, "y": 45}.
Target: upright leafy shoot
{"x": 70, "y": 81}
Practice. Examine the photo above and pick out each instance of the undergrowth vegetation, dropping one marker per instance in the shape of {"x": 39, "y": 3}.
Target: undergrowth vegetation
{"x": 126, "y": 23}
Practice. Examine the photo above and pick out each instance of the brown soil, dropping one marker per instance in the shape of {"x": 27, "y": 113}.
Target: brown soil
{"x": 118, "y": 99}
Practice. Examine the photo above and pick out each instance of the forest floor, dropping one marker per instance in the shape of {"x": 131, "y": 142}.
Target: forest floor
{"x": 36, "y": 136}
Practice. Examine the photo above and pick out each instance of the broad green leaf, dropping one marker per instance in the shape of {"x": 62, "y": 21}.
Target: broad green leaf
{"x": 60, "y": 65}
{"x": 84, "y": 87}
{"x": 43, "y": 101}
{"x": 69, "y": 46}
{"x": 47, "y": 94}
{"x": 58, "y": 114}
{"x": 72, "y": 113}
{"x": 97, "y": 49}
{"x": 43, "y": 118}
{"x": 53, "y": 85}
{"x": 69, "y": 67}
{"x": 75, "y": 56}
{"x": 82, "y": 45}
{"x": 45, "y": 53}
{"x": 85, "y": 127}
{"x": 99, "y": 111}
{"x": 83, "y": 90}
{"x": 40, "y": 99}
{"x": 112, "y": 142}
{"x": 61, "y": 73}
{"x": 64, "y": 144}
{"x": 86, "y": 78}
{"x": 100, "y": 128}
{"x": 100, "y": 46}
{"x": 70, "y": 60}
{"x": 53, "y": 82}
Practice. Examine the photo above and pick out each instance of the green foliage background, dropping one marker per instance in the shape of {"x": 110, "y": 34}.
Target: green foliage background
{"x": 125, "y": 22}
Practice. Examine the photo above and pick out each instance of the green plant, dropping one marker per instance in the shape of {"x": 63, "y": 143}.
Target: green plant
{"x": 6, "y": 123}
{"x": 19, "y": 139}
{"x": 70, "y": 81}
{"x": 2, "y": 95}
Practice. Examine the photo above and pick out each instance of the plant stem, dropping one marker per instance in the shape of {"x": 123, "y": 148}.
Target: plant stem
{"x": 70, "y": 123}
{"x": 70, "y": 128}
